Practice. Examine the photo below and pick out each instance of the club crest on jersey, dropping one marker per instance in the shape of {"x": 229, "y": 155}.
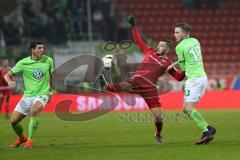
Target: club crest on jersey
{"x": 38, "y": 74}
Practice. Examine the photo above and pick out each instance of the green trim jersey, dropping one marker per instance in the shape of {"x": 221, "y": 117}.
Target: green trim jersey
{"x": 190, "y": 57}
{"x": 36, "y": 75}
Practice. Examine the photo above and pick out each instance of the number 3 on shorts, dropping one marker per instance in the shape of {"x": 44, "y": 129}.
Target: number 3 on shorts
{"x": 44, "y": 98}
{"x": 187, "y": 92}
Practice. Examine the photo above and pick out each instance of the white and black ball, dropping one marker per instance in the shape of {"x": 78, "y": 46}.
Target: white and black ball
{"x": 109, "y": 61}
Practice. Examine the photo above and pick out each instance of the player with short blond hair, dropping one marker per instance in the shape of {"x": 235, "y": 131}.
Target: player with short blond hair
{"x": 190, "y": 60}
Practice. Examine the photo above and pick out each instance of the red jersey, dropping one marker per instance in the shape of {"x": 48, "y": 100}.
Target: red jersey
{"x": 3, "y": 71}
{"x": 152, "y": 66}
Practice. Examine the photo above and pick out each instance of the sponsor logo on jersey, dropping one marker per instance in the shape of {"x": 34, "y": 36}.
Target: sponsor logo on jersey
{"x": 38, "y": 74}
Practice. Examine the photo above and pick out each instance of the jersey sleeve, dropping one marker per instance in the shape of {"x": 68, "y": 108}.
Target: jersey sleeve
{"x": 51, "y": 65}
{"x": 18, "y": 68}
{"x": 178, "y": 75}
{"x": 179, "y": 52}
{"x": 142, "y": 45}
{"x": 180, "y": 55}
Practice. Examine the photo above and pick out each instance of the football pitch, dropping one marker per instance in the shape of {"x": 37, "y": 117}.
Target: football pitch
{"x": 123, "y": 135}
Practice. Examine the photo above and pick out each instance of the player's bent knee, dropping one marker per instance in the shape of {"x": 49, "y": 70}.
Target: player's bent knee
{"x": 157, "y": 113}
{"x": 35, "y": 112}
{"x": 36, "y": 109}
{"x": 14, "y": 120}
{"x": 184, "y": 110}
{"x": 187, "y": 109}
{"x": 188, "y": 106}
{"x": 159, "y": 118}
{"x": 155, "y": 109}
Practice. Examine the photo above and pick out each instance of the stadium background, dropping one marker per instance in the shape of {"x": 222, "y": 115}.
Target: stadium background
{"x": 70, "y": 28}
{"x": 73, "y": 28}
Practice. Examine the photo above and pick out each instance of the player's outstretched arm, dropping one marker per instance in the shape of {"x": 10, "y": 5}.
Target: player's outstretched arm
{"x": 9, "y": 79}
{"x": 171, "y": 66}
{"x": 178, "y": 75}
{"x": 142, "y": 45}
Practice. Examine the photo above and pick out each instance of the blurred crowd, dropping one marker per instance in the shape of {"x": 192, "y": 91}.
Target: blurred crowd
{"x": 198, "y": 4}
{"x": 56, "y": 21}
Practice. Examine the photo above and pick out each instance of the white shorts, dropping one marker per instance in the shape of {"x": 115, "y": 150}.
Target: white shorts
{"x": 195, "y": 89}
{"x": 25, "y": 104}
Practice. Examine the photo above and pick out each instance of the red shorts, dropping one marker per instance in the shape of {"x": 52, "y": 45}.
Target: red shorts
{"x": 149, "y": 94}
{"x": 6, "y": 92}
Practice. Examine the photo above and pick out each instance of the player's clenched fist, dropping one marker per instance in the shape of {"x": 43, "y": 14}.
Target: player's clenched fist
{"x": 12, "y": 84}
{"x": 131, "y": 21}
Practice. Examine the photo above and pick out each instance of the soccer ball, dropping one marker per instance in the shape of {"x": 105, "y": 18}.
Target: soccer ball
{"x": 109, "y": 61}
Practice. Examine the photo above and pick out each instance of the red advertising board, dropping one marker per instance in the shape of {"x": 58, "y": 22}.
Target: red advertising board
{"x": 130, "y": 102}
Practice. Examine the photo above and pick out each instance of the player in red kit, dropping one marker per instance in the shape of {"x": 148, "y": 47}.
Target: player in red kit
{"x": 145, "y": 78}
{"x": 5, "y": 91}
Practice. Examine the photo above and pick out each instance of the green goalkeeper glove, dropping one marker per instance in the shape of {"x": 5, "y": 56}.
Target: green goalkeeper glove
{"x": 131, "y": 21}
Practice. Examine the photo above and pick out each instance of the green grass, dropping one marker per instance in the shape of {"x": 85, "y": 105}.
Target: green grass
{"x": 113, "y": 137}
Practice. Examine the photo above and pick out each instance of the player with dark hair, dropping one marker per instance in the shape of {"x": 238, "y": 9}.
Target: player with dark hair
{"x": 37, "y": 77}
{"x": 5, "y": 91}
{"x": 190, "y": 60}
{"x": 145, "y": 78}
